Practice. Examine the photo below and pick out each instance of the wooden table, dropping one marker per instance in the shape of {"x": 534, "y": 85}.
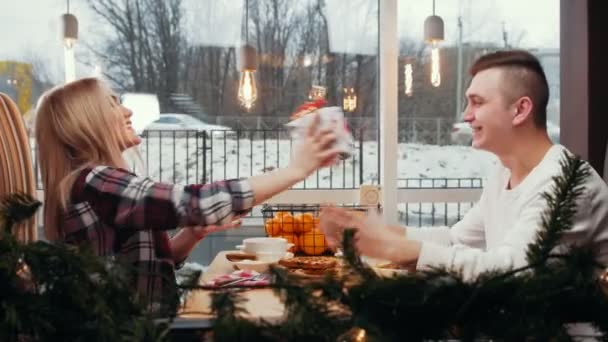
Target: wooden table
{"x": 196, "y": 312}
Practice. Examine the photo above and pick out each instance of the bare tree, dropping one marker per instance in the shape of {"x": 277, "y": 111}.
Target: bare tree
{"x": 210, "y": 77}
{"x": 142, "y": 51}
{"x": 274, "y": 26}
{"x": 146, "y": 51}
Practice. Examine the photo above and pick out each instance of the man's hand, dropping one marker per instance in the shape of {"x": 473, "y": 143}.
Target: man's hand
{"x": 333, "y": 221}
{"x": 388, "y": 242}
{"x": 373, "y": 237}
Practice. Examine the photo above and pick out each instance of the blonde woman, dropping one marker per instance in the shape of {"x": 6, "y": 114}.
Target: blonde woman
{"x": 91, "y": 198}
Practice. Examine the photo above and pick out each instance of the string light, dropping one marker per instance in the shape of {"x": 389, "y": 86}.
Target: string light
{"x": 349, "y": 101}
{"x": 435, "y": 71}
{"x": 247, "y": 92}
{"x": 408, "y": 72}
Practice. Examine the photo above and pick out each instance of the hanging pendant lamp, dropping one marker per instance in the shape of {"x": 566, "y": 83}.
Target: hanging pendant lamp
{"x": 247, "y": 92}
{"x": 70, "y": 37}
{"x": 70, "y": 28}
{"x": 433, "y": 35}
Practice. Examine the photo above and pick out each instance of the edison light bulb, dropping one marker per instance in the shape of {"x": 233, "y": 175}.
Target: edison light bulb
{"x": 70, "y": 64}
{"x": 353, "y": 100}
{"x": 435, "y": 73}
{"x": 248, "y": 92}
{"x": 69, "y": 42}
{"x": 408, "y": 79}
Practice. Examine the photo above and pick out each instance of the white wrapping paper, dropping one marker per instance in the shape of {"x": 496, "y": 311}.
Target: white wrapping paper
{"x": 329, "y": 117}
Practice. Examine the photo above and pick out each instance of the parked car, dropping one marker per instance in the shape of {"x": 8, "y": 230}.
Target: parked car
{"x": 182, "y": 122}
{"x": 145, "y": 108}
{"x": 462, "y": 133}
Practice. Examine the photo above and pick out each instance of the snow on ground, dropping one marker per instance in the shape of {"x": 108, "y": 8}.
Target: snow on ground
{"x": 227, "y": 157}
{"x": 180, "y": 160}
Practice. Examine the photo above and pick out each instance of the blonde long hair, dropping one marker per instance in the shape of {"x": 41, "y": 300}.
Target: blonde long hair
{"x": 77, "y": 126}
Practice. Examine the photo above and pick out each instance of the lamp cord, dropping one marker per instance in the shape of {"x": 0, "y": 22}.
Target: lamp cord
{"x": 246, "y": 21}
{"x": 433, "y": 7}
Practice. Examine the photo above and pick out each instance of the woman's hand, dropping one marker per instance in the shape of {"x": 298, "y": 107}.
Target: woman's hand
{"x": 200, "y": 232}
{"x": 315, "y": 150}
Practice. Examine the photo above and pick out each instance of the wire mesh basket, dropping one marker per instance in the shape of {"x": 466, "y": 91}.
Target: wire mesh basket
{"x": 299, "y": 224}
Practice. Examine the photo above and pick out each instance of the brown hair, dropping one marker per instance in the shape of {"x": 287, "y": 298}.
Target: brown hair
{"x": 75, "y": 129}
{"x": 524, "y": 76}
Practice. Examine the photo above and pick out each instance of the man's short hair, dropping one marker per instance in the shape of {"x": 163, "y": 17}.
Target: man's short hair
{"x": 523, "y": 75}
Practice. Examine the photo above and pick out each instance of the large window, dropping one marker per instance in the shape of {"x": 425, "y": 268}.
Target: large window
{"x": 434, "y": 141}
{"x": 187, "y": 53}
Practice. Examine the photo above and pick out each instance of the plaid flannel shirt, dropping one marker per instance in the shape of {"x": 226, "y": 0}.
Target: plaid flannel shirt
{"x": 125, "y": 217}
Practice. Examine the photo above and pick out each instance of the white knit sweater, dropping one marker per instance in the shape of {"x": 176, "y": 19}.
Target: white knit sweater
{"x": 495, "y": 233}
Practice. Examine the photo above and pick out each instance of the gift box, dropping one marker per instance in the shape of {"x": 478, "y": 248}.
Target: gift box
{"x": 329, "y": 117}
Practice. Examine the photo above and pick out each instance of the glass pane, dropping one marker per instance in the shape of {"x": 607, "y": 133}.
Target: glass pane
{"x": 435, "y": 142}
{"x": 187, "y": 54}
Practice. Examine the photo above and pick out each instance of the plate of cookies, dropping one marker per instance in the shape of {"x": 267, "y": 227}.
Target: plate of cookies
{"x": 384, "y": 268}
{"x": 310, "y": 267}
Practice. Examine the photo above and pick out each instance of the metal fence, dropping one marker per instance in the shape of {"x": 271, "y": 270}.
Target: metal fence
{"x": 434, "y": 131}
{"x": 435, "y": 213}
{"x": 412, "y": 129}
{"x": 187, "y": 157}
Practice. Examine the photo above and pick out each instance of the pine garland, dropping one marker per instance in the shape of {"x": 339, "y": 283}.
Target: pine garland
{"x": 16, "y": 208}
{"x": 531, "y": 303}
{"x": 52, "y": 292}
{"x": 562, "y": 208}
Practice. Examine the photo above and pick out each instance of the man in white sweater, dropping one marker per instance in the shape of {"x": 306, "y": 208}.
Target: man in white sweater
{"x": 506, "y": 108}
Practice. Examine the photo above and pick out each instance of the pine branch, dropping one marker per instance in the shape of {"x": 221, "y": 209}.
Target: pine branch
{"x": 310, "y": 307}
{"x": 190, "y": 282}
{"x": 512, "y": 305}
{"x": 225, "y": 304}
{"x": 16, "y": 208}
{"x": 58, "y": 292}
{"x": 229, "y": 325}
{"x": 556, "y": 219}
{"x": 561, "y": 207}
{"x": 352, "y": 258}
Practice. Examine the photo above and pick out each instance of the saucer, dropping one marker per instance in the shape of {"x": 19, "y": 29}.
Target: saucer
{"x": 257, "y": 265}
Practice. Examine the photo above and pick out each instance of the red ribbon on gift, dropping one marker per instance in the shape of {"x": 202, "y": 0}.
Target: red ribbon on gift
{"x": 308, "y": 107}
{"x": 240, "y": 278}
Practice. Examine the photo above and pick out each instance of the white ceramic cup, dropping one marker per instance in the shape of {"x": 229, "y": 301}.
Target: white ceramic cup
{"x": 270, "y": 256}
{"x": 266, "y": 248}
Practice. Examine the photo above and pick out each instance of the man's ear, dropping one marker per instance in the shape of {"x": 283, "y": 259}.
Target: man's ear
{"x": 522, "y": 110}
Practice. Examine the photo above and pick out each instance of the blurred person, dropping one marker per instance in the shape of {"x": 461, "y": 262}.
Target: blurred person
{"x": 506, "y": 108}
{"x": 91, "y": 198}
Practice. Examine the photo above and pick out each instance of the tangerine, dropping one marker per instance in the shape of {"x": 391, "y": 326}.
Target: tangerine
{"x": 287, "y": 223}
{"x": 292, "y": 238}
{"x": 303, "y": 223}
{"x": 272, "y": 228}
{"x": 313, "y": 242}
